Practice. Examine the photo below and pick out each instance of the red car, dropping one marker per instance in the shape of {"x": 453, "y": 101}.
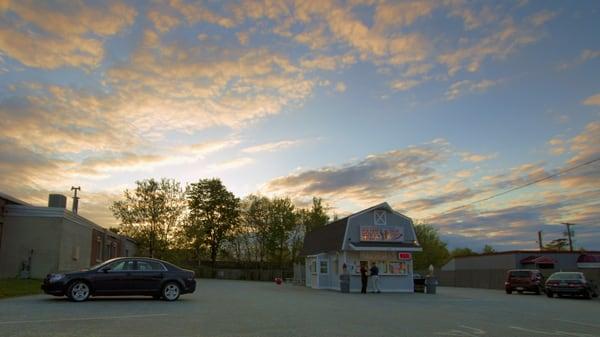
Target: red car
{"x": 521, "y": 280}
{"x": 572, "y": 284}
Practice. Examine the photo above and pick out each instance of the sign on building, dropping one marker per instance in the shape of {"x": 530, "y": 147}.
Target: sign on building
{"x": 382, "y": 234}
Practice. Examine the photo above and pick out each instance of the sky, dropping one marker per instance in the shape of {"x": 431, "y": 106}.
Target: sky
{"x": 428, "y": 105}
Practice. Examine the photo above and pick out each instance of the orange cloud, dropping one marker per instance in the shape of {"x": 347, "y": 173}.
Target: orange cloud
{"x": 68, "y": 36}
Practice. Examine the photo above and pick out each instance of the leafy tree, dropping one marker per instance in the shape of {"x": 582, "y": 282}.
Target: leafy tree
{"x": 255, "y": 213}
{"x": 458, "y": 252}
{"x": 213, "y": 214}
{"x": 557, "y": 244}
{"x": 487, "y": 249}
{"x": 151, "y": 214}
{"x": 316, "y": 216}
{"x": 434, "y": 252}
{"x": 308, "y": 219}
{"x": 280, "y": 222}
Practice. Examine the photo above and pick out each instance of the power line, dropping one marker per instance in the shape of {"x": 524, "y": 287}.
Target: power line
{"x": 522, "y": 186}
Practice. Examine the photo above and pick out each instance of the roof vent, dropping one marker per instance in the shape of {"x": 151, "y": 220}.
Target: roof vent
{"x": 57, "y": 200}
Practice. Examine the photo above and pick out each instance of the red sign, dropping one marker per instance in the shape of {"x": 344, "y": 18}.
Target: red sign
{"x": 404, "y": 256}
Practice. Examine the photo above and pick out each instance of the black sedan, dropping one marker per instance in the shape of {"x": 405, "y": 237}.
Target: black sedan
{"x": 570, "y": 283}
{"x": 123, "y": 276}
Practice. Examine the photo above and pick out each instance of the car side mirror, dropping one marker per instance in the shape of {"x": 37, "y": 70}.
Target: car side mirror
{"x": 106, "y": 270}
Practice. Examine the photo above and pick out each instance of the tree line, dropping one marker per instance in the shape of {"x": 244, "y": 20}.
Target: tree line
{"x": 204, "y": 220}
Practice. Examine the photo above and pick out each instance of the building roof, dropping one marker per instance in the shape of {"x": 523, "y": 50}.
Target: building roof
{"x": 325, "y": 239}
{"x": 532, "y": 251}
{"x": 12, "y": 200}
{"x": 537, "y": 259}
{"x": 331, "y": 236}
{"x": 17, "y": 207}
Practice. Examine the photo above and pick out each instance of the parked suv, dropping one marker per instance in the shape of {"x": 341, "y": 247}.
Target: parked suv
{"x": 521, "y": 280}
{"x": 572, "y": 284}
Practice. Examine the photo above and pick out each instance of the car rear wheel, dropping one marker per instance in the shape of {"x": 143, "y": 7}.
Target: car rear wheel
{"x": 587, "y": 294}
{"x": 549, "y": 294}
{"x": 538, "y": 290}
{"x": 79, "y": 291}
{"x": 508, "y": 291}
{"x": 171, "y": 291}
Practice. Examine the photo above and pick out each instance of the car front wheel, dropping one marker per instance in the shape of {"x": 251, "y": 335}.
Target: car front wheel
{"x": 79, "y": 291}
{"x": 549, "y": 294}
{"x": 171, "y": 291}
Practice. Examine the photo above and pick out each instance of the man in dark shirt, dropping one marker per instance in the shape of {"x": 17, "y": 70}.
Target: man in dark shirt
{"x": 364, "y": 278}
{"x": 375, "y": 277}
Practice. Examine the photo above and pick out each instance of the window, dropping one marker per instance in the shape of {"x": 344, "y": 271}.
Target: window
{"x": 98, "y": 249}
{"x": 398, "y": 268}
{"x": 123, "y": 265}
{"x": 113, "y": 250}
{"x": 324, "y": 267}
{"x": 313, "y": 267}
{"x": 380, "y": 218}
{"x": 150, "y": 266}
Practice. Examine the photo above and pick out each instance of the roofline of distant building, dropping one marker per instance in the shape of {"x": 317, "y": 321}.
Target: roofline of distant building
{"x": 25, "y": 209}
{"x": 532, "y": 252}
{"x": 13, "y": 199}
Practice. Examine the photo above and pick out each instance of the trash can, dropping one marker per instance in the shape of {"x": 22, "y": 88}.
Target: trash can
{"x": 430, "y": 285}
{"x": 345, "y": 283}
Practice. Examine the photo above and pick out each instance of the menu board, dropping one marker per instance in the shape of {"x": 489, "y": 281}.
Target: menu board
{"x": 381, "y": 233}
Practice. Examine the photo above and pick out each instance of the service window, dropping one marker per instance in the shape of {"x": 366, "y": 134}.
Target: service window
{"x": 398, "y": 268}
{"x": 324, "y": 267}
{"x": 383, "y": 267}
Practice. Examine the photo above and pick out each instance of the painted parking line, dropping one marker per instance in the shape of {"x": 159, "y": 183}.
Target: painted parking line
{"x": 552, "y": 333}
{"x": 82, "y": 319}
{"x": 580, "y": 323}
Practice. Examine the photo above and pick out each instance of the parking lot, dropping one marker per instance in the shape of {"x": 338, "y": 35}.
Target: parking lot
{"x": 239, "y": 308}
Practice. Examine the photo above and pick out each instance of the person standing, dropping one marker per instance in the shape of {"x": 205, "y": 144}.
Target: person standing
{"x": 364, "y": 278}
{"x": 375, "y": 276}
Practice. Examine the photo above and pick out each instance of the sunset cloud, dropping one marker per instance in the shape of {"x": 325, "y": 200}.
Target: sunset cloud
{"x": 68, "y": 36}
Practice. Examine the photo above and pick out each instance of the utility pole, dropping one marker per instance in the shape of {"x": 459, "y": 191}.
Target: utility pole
{"x": 75, "y": 198}
{"x": 540, "y": 240}
{"x": 569, "y": 234}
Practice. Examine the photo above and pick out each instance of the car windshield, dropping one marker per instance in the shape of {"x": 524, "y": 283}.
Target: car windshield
{"x": 566, "y": 276}
{"x": 520, "y": 273}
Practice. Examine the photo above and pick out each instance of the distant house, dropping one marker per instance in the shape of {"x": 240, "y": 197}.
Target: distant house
{"x": 489, "y": 270}
{"x": 377, "y": 234}
{"x": 35, "y": 241}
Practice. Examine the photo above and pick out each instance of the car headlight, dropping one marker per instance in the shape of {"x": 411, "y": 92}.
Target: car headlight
{"x": 56, "y": 277}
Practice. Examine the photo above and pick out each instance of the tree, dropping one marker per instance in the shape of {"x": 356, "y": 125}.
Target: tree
{"x": 557, "y": 244}
{"x": 434, "y": 252}
{"x": 459, "y": 252}
{"x": 487, "y": 249}
{"x": 255, "y": 212}
{"x": 213, "y": 213}
{"x": 151, "y": 214}
{"x": 307, "y": 219}
{"x": 316, "y": 216}
{"x": 280, "y": 221}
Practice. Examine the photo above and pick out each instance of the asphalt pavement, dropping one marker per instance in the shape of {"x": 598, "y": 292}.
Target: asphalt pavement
{"x": 241, "y": 308}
